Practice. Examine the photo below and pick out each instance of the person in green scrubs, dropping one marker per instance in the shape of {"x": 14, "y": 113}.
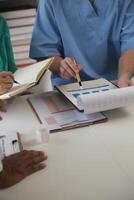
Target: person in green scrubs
{"x": 7, "y": 63}
{"x": 20, "y": 165}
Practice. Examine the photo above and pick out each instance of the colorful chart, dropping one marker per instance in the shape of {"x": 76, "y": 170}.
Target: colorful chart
{"x": 85, "y": 91}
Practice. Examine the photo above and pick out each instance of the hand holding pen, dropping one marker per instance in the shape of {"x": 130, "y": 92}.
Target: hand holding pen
{"x": 69, "y": 68}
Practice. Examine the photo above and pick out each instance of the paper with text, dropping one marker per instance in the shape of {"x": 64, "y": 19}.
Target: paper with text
{"x": 111, "y": 99}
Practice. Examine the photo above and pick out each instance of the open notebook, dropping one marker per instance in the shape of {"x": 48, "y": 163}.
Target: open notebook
{"x": 97, "y": 95}
{"x": 27, "y": 77}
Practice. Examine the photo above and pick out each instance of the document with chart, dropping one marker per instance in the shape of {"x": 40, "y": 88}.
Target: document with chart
{"x": 97, "y": 95}
{"x": 55, "y": 111}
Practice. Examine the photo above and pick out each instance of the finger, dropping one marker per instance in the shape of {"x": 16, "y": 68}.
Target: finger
{"x": 23, "y": 162}
{"x": 73, "y": 65}
{"x": 123, "y": 83}
{"x": 79, "y": 66}
{"x": 35, "y": 161}
{"x": 67, "y": 68}
{"x": 36, "y": 153}
{"x": 8, "y": 86}
{"x": 36, "y": 168}
{"x": 29, "y": 155}
{"x": 64, "y": 74}
{"x": 6, "y": 79}
{"x": 6, "y": 74}
{"x": 3, "y": 89}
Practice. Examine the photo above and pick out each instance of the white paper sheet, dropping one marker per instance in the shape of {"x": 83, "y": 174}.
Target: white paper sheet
{"x": 107, "y": 100}
{"x": 58, "y": 113}
{"x": 8, "y": 144}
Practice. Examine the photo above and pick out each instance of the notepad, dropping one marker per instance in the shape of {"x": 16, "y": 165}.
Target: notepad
{"x": 27, "y": 77}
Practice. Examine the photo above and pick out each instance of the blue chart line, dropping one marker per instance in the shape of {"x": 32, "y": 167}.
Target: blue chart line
{"x": 85, "y": 91}
{"x": 76, "y": 95}
{"x": 97, "y": 87}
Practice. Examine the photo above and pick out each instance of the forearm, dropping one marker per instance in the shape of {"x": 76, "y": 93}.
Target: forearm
{"x": 126, "y": 69}
{"x": 126, "y": 65}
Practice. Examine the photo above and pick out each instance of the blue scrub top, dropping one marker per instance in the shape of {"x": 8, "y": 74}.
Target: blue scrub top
{"x": 95, "y": 35}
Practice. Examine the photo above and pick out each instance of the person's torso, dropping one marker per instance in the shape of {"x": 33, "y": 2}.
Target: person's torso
{"x": 7, "y": 62}
{"x": 91, "y": 33}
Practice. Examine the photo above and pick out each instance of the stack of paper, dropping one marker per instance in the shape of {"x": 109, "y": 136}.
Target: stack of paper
{"x": 55, "y": 111}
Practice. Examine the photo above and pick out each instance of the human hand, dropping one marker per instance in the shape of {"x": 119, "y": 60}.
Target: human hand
{"x": 125, "y": 81}
{"x": 68, "y": 68}
{"x": 18, "y": 166}
{"x": 6, "y": 81}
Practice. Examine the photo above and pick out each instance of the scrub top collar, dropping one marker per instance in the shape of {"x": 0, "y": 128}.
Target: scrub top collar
{"x": 97, "y": 9}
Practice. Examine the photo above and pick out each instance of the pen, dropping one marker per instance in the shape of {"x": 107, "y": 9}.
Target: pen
{"x": 78, "y": 78}
{"x": 16, "y": 82}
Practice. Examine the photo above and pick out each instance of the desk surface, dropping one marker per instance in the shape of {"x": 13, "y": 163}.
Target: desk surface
{"x": 90, "y": 163}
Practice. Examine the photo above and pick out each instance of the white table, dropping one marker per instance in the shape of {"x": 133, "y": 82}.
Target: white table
{"x": 91, "y": 163}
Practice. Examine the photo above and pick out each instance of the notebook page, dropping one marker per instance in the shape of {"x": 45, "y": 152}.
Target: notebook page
{"x": 16, "y": 90}
{"x": 106, "y": 100}
{"x": 30, "y": 74}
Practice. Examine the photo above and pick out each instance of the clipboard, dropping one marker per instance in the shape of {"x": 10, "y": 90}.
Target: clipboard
{"x": 72, "y": 91}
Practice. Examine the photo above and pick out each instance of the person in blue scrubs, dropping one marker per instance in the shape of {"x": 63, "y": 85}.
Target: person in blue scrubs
{"x": 98, "y": 35}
